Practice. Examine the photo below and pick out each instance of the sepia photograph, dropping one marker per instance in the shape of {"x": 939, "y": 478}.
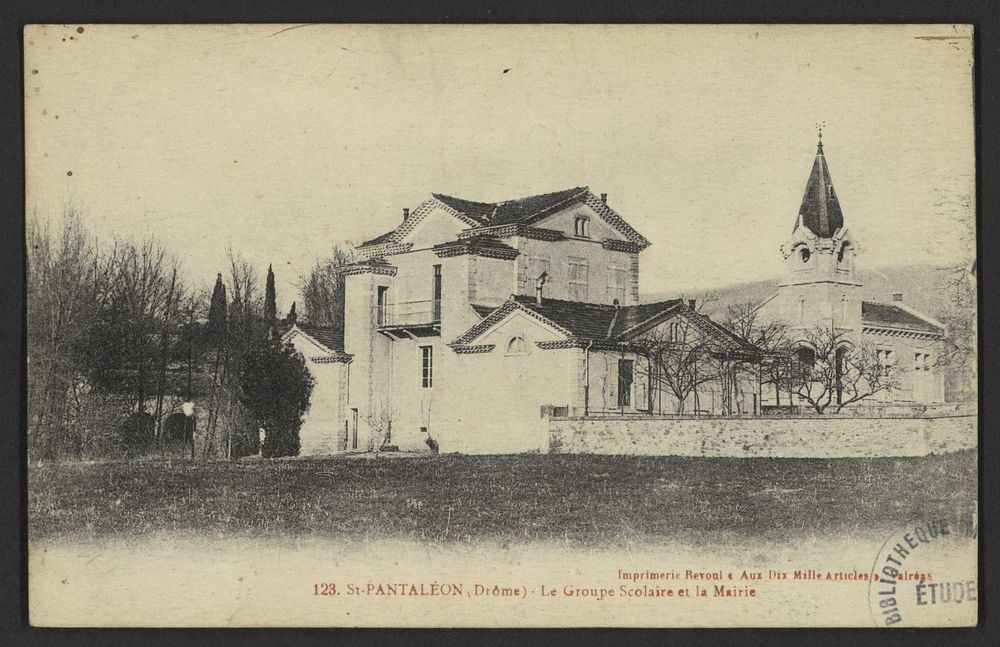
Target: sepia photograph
{"x": 501, "y": 325}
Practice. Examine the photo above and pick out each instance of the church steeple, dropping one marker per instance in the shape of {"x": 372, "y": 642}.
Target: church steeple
{"x": 820, "y": 211}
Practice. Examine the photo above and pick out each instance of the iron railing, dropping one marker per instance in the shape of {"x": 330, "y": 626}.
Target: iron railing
{"x": 408, "y": 313}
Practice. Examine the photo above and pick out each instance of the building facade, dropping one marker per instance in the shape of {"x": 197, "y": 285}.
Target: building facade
{"x": 820, "y": 290}
{"x": 470, "y": 322}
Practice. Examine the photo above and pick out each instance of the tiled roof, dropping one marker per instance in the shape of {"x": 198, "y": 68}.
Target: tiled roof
{"x": 884, "y": 314}
{"x": 601, "y": 322}
{"x": 329, "y": 337}
{"x": 387, "y": 237}
{"x": 511, "y": 211}
{"x": 332, "y": 337}
{"x": 632, "y": 316}
{"x": 820, "y": 211}
{"x": 482, "y": 311}
{"x": 585, "y": 320}
{"x": 503, "y": 216}
{"x": 479, "y": 245}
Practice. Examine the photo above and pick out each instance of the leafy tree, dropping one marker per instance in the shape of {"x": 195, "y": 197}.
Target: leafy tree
{"x": 275, "y": 386}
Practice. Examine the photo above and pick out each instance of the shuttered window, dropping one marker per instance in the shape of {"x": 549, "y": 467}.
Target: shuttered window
{"x": 579, "y": 275}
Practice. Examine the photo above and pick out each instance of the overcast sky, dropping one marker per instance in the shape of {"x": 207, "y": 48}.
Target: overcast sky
{"x": 281, "y": 141}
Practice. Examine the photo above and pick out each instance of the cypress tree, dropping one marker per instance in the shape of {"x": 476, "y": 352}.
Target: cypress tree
{"x": 270, "y": 307}
{"x": 217, "y": 313}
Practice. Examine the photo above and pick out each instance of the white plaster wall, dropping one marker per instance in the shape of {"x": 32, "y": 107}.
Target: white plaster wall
{"x": 565, "y": 221}
{"x": 435, "y": 227}
{"x": 323, "y": 425}
{"x": 599, "y": 260}
{"x": 491, "y": 402}
{"x": 493, "y": 280}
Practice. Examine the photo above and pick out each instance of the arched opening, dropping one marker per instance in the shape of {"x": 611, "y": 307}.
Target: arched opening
{"x": 582, "y": 226}
{"x": 517, "y": 346}
{"x": 804, "y": 254}
{"x": 844, "y": 255}
{"x": 806, "y": 356}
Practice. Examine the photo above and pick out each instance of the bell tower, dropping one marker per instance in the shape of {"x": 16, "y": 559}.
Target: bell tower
{"x": 819, "y": 287}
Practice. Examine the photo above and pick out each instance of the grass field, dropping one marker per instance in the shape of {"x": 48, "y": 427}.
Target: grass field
{"x": 575, "y": 498}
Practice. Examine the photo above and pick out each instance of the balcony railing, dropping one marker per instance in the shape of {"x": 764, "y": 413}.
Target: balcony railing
{"x": 408, "y": 313}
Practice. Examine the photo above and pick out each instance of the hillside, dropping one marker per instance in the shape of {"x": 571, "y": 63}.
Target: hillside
{"x": 921, "y": 286}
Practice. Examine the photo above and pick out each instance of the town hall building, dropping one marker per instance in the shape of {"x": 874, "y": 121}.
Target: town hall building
{"x": 820, "y": 290}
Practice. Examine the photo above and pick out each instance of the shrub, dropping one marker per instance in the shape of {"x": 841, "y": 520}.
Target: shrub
{"x": 138, "y": 433}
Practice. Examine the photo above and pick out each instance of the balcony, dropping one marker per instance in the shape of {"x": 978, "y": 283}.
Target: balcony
{"x": 409, "y": 318}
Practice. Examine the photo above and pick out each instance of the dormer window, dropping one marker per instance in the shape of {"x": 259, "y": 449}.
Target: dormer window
{"x": 582, "y": 227}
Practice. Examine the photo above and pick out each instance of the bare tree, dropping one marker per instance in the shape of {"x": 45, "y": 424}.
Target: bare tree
{"x": 678, "y": 359}
{"x": 833, "y": 371}
{"x": 379, "y": 420}
{"x": 244, "y": 325}
{"x": 745, "y": 320}
{"x": 323, "y": 289}
{"x": 63, "y": 291}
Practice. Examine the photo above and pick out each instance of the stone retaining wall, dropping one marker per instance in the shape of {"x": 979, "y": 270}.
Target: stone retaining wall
{"x": 806, "y": 437}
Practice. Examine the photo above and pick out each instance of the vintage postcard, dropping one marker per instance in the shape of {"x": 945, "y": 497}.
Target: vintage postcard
{"x": 501, "y": 326}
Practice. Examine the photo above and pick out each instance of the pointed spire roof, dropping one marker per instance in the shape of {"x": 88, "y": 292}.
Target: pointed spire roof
{"x": 820, "y": 211}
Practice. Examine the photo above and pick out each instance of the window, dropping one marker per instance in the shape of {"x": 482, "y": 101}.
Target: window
{"x": 436, "y": 295}
{"x": 529, "y": 269}
{"x": 804, "y": 254}
{"x": 917, "y": 361}
{"x": 616, "y": 284}
{"x": 676, "y": 334}
{"x": 516, "y": 346}
{"x": 380, "y": 313}
{"x": 844, "y": 257}
{"x": 579, "y": 273}
{"x": 802, "y": 308}
{"x": 806, "y": 356}
{"x": 885, "y": 359}
{"x": 536, "y": 266}
{"x": 426, "y": 366}
{"x": 582, "y": 226}
{"x": 625, "y": 376}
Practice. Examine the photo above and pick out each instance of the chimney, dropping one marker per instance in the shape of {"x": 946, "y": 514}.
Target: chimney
{"x": 604, "y": 198}
{"x": 692, "y": 303}
{"x": 539, "y": 282}
{"x": 897, "y": 296}
{"x": 406, "y": 213}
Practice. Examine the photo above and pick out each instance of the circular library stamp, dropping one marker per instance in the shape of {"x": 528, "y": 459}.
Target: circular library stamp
{"x": 925, "y": 575}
